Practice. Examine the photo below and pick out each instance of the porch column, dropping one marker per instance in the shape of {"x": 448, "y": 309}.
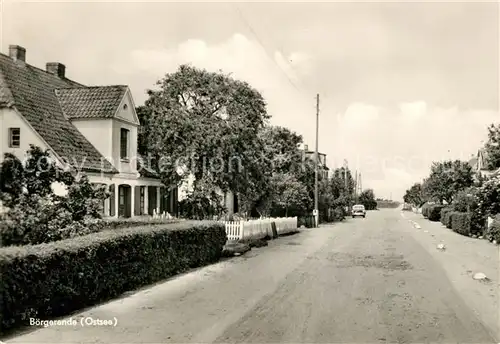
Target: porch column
{"x": 158, "y": 198}
{"x": 106, "y": 202}
{"x": 146, "y": 200}
{"x": 132, "y": 200}
{"x": 117, "y": 200}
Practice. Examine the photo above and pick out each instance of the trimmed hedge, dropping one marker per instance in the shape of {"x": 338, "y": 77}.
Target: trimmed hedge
{"x": 434, "y": 212}
{"x": 113, "y": 223}
{"x": 425, "y": 210}
{"x": 54, "y": 279}
{"x": 445, "y": 216}
{"x": 461, "y": 222}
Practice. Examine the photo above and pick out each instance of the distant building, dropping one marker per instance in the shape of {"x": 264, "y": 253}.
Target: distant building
{"x": 323, "y": 168}
{"x": 479, "y": 164}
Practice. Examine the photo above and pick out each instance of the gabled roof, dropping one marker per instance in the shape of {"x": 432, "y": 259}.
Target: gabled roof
{"x": 91, "y": 102}
{"x": 482, "y": 156}
{"x": 31, "y": 91}
{"x": 473, "y": 163}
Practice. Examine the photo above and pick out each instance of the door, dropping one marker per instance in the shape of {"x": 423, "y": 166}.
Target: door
{"x": 151, "y": 199}
{"x": 124, "y": 201}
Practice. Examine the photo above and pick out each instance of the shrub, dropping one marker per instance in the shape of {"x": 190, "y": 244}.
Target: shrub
{"x": 493, "y": 233}
{"x": 489, "y": 197}
{"x": 339, "y": 214}
{"x": 425, "y": 210}
{"x": 461, "y": 222}
{"x": 444, "y": 215}
{"x": 53, "y": 279}
{"x": 117, "y": 223}
{"x": 434, "y": 212}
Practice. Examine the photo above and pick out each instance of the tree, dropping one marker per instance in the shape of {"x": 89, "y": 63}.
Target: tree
{"x": 493, "y": 147}
{"x": 35, "y": 213}
{"x": 289, "y": 195}
{"x": 446, "y": 179}
{"x": 206, "y": 125}
{"x": 367, "y": 198}
{"x": 414, "y": 195}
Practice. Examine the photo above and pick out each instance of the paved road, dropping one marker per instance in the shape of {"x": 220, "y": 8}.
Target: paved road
{"x": 363, "y": 281}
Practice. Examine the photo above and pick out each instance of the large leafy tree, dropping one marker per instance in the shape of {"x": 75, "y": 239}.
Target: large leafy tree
{"x": 289, "y": 196}
{"x": 414, "y": 195}
{"x": 493, "y": 147}
{"x": 446, "y": 179}
{"x": 367, "y": 198}
{"x": 205, "y": 125}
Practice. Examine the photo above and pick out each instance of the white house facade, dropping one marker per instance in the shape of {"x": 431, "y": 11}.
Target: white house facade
{"x": 93, "y": 129}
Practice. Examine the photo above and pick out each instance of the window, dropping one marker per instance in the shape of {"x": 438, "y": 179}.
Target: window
{"x": 14, "y": 137}
{"x": 124, "y": 140}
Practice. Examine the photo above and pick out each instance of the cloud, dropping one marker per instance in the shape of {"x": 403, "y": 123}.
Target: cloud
{"x": 391, "y": 147}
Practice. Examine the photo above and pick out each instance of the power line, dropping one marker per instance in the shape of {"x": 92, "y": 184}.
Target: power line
{"x": 259, "y": 41}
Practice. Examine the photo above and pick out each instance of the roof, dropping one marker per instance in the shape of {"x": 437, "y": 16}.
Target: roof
{"x": 32, "y": 91}
{"x": 90, "y": 102}
{"x": 145, "y": 170}
{"x": 482, "y": 156}
{"x": 473, "y": 162}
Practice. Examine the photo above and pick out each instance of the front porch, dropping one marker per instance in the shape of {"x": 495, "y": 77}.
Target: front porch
{"x": 133, "y": 198}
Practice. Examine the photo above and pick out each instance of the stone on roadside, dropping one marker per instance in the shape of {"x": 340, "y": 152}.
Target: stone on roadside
{"x": 474, "y": 236}
{"x": 480, "y": 237}
{"x": 494, "y": 242}
{"x": 235, "y": 249}
{"x": 479, "y": 276}
{"x": 441, "y": 247}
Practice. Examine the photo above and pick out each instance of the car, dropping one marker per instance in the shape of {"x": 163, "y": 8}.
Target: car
{"x": 358, "y": 210}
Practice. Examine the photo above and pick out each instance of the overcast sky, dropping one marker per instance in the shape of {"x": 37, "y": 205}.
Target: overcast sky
{"x": 400, "y": 84}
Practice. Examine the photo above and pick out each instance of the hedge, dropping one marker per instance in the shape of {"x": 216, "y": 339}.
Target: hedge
{"x": 117, "y": 223}
{"x": 461, "y": 222}
{"x": 434, "y": 212}
{"x": 54, "y": 279}
{"x": 425, "y": 210}
{"x": 445, "y": 217}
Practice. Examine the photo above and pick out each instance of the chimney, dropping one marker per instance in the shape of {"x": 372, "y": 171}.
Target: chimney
{"x": 17, "y": 53}
{"x": 56, "y": 68}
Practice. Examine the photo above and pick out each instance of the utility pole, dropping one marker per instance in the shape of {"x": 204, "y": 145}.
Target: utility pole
{"x": 316, "y": 211}
{"x": 360, "y": 185}
{"x": 356, "y": 186}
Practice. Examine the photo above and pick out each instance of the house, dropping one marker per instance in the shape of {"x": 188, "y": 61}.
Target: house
{"x": 323, "y": 168}
{"x": 479, "y": 164}
{"x": 90, "y": 128}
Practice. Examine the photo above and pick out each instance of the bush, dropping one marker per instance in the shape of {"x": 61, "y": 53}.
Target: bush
{"x": 493, "y": 233}
{"x": 339, "y": 214}
{"x": 461, "y": 222}
{"x": 117, "y": 223}
{"x": 425, "y": 210}
{"x": 306, "y": 221}
{"x": 434, "y": 212}
{"x": 489, "y": 197}
{"x": 53, "y": 279}
{"x": 444, "y": 215}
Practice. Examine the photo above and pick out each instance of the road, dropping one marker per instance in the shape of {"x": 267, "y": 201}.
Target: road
{"x": 372, "y": 280}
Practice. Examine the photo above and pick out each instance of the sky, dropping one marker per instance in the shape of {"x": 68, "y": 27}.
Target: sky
{"x": 401, "y": 84}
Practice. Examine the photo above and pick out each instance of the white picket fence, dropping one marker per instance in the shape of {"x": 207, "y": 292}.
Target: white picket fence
{"x": 258, "y": 229}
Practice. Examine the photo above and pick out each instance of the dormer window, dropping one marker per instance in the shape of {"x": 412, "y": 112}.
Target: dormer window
{"x": 125, "y": 107}
{"x": 124, "y": 143}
